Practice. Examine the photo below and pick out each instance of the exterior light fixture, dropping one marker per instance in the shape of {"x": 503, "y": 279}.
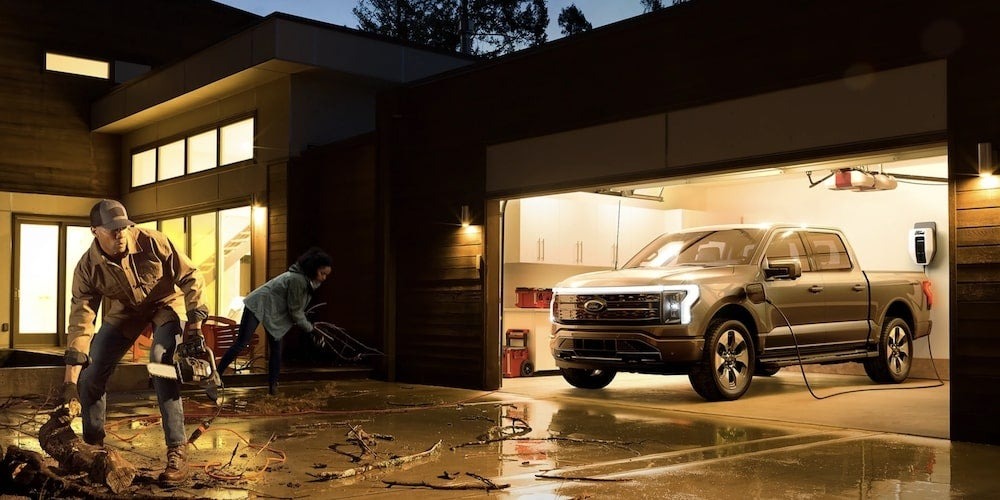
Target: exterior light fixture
{"x": 986, "y": 166}
{"x": 466, "y": 218}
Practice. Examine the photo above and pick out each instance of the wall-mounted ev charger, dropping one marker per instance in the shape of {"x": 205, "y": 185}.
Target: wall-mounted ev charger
{"x": 921, "y": 242}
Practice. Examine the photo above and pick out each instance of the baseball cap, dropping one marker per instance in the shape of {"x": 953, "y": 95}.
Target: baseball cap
{"x": 109, "y": 214}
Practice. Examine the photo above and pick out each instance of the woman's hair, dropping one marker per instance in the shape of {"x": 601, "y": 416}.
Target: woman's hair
{"x": 312, "y": 260}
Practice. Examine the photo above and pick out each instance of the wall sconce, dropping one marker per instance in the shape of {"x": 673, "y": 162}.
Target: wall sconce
{"x": 466, "y": 218}
{"x": 986, "y": 166}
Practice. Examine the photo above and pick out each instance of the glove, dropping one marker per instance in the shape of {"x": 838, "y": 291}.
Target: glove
{"x": 71, "y": 398}
{"x": 194, "y": 341}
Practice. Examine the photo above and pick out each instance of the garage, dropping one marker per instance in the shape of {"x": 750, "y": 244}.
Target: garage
{"x": 717, "y": 126}
{"x": 551, "y": 238}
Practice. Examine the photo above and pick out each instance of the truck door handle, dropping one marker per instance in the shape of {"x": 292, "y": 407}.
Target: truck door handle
{"x": 858, "y": 288}
{"x": 815, "y": 289}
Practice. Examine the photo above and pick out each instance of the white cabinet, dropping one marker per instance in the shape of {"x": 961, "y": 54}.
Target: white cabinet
{"x": 584, "y": 229}
{"x": 573, "y": 229}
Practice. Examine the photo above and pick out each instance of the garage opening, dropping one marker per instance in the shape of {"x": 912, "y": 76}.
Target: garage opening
{"x": 553, "y": 237}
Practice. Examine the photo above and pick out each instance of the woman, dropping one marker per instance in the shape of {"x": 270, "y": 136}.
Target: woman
{"x": 279, "y": 304}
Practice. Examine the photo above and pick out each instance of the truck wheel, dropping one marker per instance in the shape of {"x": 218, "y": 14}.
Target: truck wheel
{"x": 588, "y": 379}
{"x": 895, "y": 348}
{"x": 527, "y": 369}
{"x": 727, "y": 365}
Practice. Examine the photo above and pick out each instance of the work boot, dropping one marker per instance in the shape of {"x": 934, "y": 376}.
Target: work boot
{"x": 176, "y": 470}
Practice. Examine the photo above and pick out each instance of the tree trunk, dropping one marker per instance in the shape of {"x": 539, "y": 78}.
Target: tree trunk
{"x": 105, "y": 466}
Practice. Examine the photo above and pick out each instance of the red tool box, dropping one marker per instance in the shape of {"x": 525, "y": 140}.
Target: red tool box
{"x": 516, "y": 361}
{"x": 535, "y": 298}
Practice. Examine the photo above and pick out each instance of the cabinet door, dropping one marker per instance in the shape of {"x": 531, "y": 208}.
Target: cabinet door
{"x": 538, "y": 229}
{"x": 587, "y": 225}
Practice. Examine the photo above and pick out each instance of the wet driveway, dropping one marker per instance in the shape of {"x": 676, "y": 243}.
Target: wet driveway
{"x": 535, "y": 439}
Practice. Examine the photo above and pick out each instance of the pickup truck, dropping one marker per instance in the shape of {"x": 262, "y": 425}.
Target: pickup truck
{"x": 725, "y": 303}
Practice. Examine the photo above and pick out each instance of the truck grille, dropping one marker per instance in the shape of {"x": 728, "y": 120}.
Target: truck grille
{"x": 600, "y": 308}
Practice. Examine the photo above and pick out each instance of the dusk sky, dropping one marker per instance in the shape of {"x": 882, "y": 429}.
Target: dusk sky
{"x": 598, "y": 12}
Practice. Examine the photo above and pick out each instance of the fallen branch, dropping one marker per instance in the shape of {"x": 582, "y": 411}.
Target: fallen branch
{"x": 104, "y": 465}
{"x": 27, "y": 470}
{"x": 385, "y": 464}
{"x": 490, "y": 485}
{"x": 584, "y": 478}
{"x": 461, "y": 486}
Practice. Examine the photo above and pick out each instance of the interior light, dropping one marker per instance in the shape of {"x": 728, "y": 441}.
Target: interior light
{"x": 77, "y": 65}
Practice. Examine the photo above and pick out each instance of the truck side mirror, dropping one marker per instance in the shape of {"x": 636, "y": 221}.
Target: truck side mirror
{"x": 788, "y": 269}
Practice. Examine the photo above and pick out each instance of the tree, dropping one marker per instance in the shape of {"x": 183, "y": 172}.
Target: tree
{"x": 486, "y": 27}
{"x": 651, "y": 5}
{"x": 572, "y": 20}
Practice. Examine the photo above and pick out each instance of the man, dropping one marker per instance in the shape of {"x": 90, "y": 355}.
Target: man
{"x": 140, "y": 278}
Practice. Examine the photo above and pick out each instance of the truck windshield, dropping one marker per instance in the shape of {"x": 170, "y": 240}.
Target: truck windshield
{"x": 699, "y": 248}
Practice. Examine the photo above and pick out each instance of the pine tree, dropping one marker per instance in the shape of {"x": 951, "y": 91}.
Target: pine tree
{"x": 572, "y": 20}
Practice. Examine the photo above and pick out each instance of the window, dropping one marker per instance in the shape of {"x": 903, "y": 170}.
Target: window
{"x": 203, "y": 151}
{"x": 144, "y": 168}
{"x": 236, "y": 142}
{"x": 170, "y": 160}
{"x": 829, "y": 252}
{"x": 220, "y": 246}
{"x": 77, "y": 66}
{"x": 788, "y": 246}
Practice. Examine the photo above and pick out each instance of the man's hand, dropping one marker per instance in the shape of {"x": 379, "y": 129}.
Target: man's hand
{"x": 71, "y": 398}
{"x": 194, "y": 340}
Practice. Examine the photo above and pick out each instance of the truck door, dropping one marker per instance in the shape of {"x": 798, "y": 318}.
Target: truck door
{"x": 798, "y": 299}
{"x": 845, "y": 289}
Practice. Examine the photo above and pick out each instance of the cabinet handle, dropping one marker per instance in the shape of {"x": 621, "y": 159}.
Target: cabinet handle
{"x": 543, "y": 249}
{"x": 538, "y": 250}
{"x": 581, "y": 253}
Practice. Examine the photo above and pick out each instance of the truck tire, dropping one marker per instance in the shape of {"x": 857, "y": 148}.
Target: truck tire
{"x": 895, "y": 353}
{"x": 727, "y": 365}
{"x": 588, "y": 379}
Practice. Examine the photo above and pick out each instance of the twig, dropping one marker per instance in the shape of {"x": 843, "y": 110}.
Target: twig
{"x": 490, "y": 485}
{"x": 231, "y": 457}
{"x": 584, "y": 478}
{"x": 464, "y": 486}
{"x": 362, "y": 442}
{"x": 392, "y": 462}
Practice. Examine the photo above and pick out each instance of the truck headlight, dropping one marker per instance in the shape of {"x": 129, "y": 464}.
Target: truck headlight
{"x": 677, "y": 302}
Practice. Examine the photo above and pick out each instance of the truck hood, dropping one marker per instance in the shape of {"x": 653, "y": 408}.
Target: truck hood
{"x": 643, "y": 277}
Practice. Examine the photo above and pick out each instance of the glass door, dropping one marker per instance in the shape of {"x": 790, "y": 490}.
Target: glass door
{"x": 45, "y": 253}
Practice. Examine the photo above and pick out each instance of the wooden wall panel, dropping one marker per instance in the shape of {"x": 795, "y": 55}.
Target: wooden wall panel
{"x": 333, "y": 205}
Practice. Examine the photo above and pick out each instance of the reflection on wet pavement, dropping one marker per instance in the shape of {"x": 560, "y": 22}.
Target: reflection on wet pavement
{"x": 534, "y": 447}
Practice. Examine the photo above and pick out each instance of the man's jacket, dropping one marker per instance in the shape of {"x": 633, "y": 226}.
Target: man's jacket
{"x": 154, "y": 282}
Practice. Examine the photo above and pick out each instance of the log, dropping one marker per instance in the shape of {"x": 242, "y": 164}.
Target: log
{"x": 25, "y": 472}
{"x": 103, "y": 465}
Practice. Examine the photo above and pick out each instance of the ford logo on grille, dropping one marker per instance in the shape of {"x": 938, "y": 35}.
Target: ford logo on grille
{"x": 595, "y": 305}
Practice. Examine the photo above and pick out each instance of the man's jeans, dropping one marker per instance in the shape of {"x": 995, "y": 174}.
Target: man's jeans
{"x": 106, "y": 350}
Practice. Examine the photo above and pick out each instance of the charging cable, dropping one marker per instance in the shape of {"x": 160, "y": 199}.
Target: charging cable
{"x": 802, "y": 368}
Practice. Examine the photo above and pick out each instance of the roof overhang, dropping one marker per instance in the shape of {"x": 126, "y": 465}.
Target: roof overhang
{"x": 278, "y": 46}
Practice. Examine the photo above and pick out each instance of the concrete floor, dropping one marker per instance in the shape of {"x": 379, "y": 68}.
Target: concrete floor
{"x": 641, "y": 437}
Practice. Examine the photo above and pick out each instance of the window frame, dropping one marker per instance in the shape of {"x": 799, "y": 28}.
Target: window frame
{"x": 184, "y": 138}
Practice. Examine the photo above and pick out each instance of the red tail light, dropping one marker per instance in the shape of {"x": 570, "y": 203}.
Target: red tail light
{"x": 928, "y": 292}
